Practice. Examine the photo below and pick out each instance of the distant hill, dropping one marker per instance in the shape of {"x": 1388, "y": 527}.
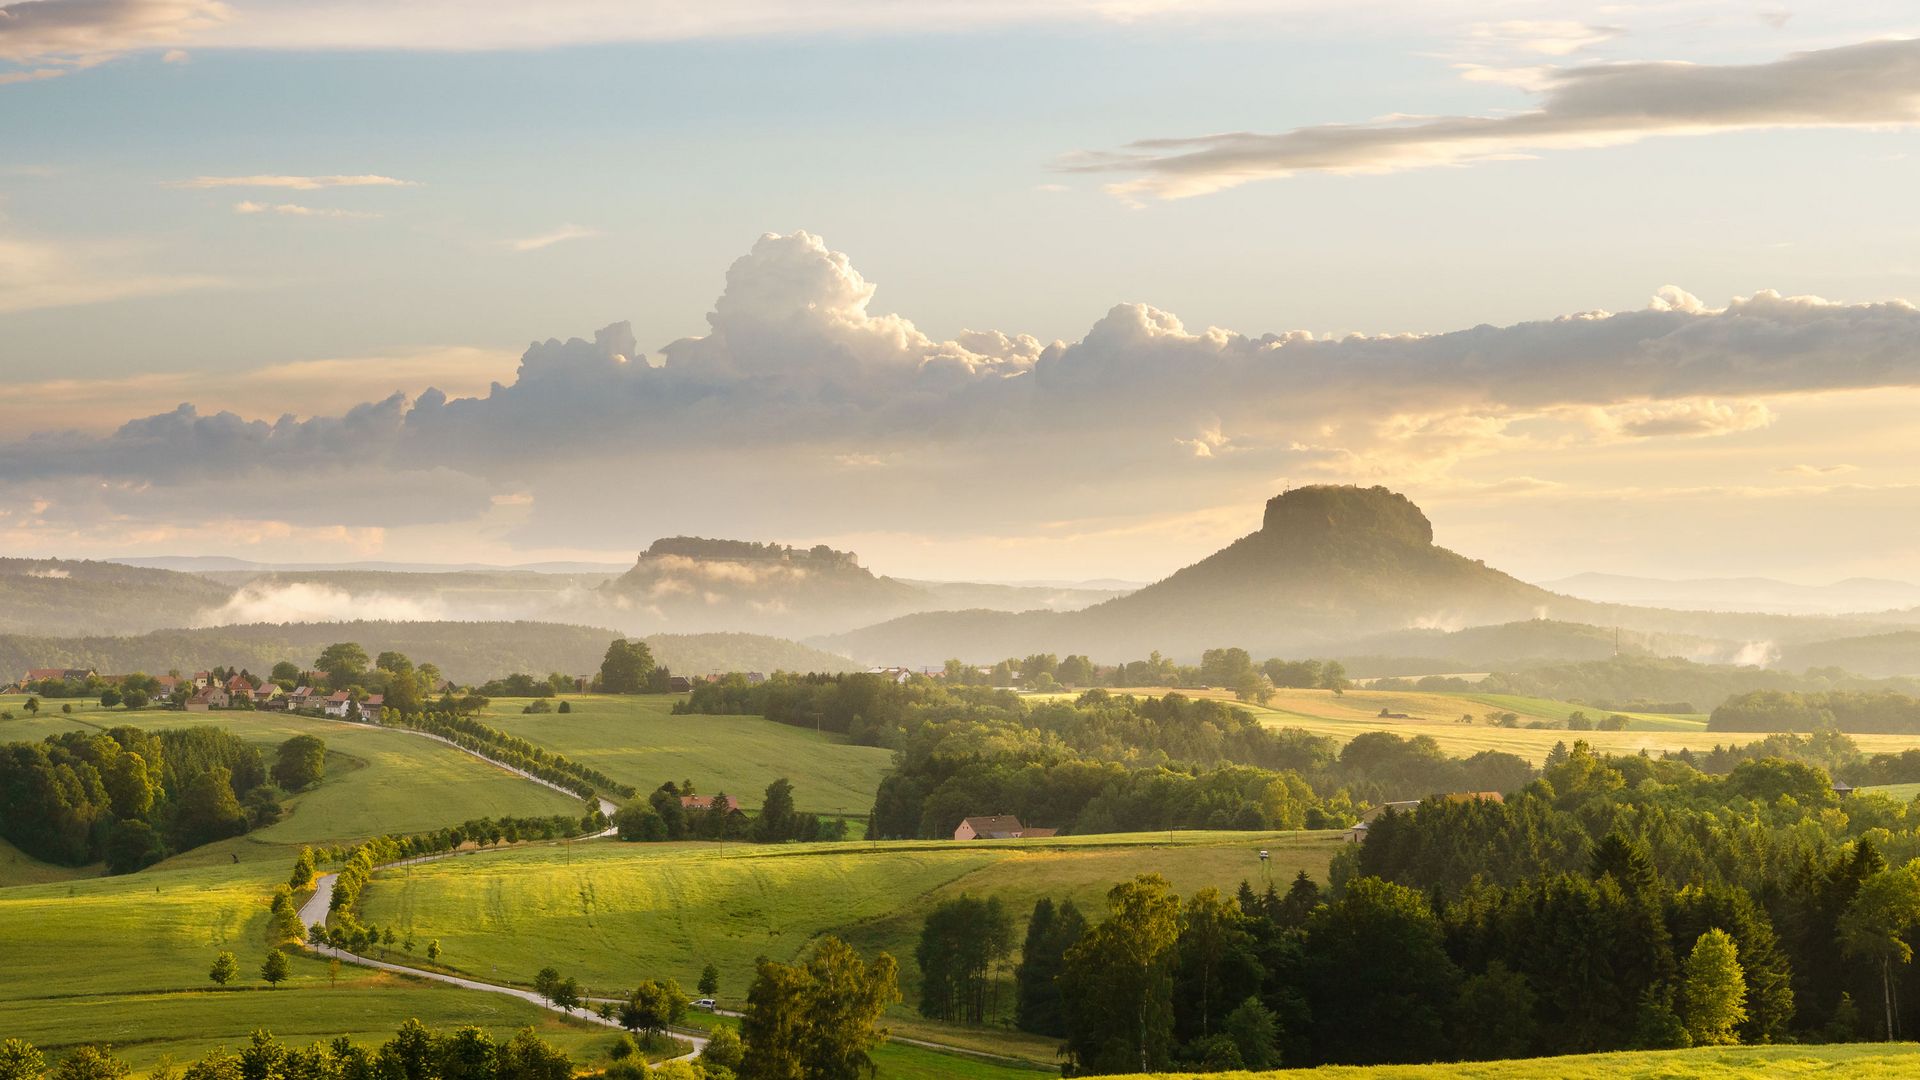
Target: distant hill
{"x": 68, "y": 596}
{"x": 689, "y": 584}
{"x": 1742, "y": 594}
{"x": 465, "y": 651}
{"x": 701, "y": 654}
{"x": 1329, "y": 568}
{"x": 1328, "y": 564}
{"x": 1518, "y": 644}
{"x": 1896, "y": 653}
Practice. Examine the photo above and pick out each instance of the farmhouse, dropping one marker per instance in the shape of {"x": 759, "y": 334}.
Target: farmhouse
{"x": 337, "y": 703}
{"x": 208, "y": 697}
{"x": 44, "y": 674}
{"x": 240, "y": 688}
{"x": 999, "y": 827}
{"x": 679, "y": 684}
{"x": 705, "y": 802}
{"x": 898, "y": 675}
{"x": 371, "y": 707}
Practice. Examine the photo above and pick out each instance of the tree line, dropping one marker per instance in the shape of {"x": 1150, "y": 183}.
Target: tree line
{"x": 664, "y": 815}
{"x": 414, "y": 1053}
{"x": 1883, "y": 712}
{"x": 132, "y": 797}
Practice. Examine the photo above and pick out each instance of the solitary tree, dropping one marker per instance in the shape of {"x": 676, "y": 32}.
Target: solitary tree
{"x": 20, "y": 1061}
{"x": 302, "y": 871}
{"x": 301, "y": 763}
{"x": 274, "y": 968}
{"x": 343, "y": 662}
{"x": 626, "y": 667}
{"x": 1715, "y": 990}
{"x": 709, "y": 981}
{"x": 225, "y": 967}
{"x": 433, "y": 949}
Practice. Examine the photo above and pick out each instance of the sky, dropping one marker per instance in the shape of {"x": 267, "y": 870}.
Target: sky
{"x": 1059, "y": 289}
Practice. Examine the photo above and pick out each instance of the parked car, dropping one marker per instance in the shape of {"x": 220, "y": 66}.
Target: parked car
{"x": 704, "y": 1003}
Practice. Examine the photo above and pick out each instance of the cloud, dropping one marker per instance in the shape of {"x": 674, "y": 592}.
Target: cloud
{"x": 1872, "y": 84}
{"x": 1548, "y": 37}
{"x": 81, "y": 33}
{"x": 799, "y": 384}
{"x": 557, "y": 236}
{"x": 308, "y": 602}
{"x": 306, "y": 387}
{"x": 296, "y": 210}
{"x": 1686, "y": 418}
{"x": 36, "y": 275}
{"x": 64, "y": 35}
{"x": 294, "y": 183}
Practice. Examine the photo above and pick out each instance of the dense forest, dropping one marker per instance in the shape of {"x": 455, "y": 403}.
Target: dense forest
{"x": 1880, "y": 712}
{"x": 132, "y": 797}
{"x": 1608, "y": 903}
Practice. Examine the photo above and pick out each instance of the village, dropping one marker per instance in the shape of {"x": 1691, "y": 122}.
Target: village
{"x": 203, "y": 691}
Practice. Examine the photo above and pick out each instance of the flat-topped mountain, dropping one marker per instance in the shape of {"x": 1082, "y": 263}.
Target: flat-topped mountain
{"x": 1328, "y": 563}
{"x": 691, "y": 584}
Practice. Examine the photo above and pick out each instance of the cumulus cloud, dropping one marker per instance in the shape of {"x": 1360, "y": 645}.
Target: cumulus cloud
{"x": 1871, "y": 84}
{"x": 800, "y": 384}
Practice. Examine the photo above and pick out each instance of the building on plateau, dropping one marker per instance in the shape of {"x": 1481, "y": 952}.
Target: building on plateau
{"x": 999, "y": 827}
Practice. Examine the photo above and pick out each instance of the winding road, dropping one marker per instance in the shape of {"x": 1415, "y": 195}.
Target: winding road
{"x": 314, "y": 913}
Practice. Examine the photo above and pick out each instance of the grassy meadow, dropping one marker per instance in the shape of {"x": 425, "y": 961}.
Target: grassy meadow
{"x": 611, "y": 914}
{"x": 1855, "y": 1061}
{"x": 1438, "y": 714}
{"x": 637, "y": 740}
{"x": 125, "y": 959}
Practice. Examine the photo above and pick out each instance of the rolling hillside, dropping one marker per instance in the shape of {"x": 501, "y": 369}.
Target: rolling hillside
{"x": 465, "y": 651}
{"x": 1335, "y": 569}
{"x": 69, "y": 597}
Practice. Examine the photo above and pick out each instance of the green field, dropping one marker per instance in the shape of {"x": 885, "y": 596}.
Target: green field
{"x": 1897, "y": 792}
{"x": 1868, "y": 1061}
{"x": 124, "y": 959}
{"x": 637, "y": 740}
{"x": 611, "y": 914}
{"x": 1438, "y": 715}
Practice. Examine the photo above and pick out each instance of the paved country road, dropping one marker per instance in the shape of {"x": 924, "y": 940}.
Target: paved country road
{"x": 314, "y": 913}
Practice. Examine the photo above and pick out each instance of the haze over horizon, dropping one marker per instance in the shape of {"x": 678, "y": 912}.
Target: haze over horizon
{"x": 1609, "y": 294}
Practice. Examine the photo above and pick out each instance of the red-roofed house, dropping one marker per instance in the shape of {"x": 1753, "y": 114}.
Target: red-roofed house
{"x": 997, "y": 827}
{"x": 208, "y": 697}
{"x": 705, "y": 802}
